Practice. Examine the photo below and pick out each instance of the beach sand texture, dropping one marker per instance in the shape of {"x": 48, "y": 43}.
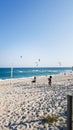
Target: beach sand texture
{"x": 23, "y": 105}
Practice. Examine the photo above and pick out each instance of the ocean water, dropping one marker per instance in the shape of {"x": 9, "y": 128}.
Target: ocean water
{"x": 7, "y": 73}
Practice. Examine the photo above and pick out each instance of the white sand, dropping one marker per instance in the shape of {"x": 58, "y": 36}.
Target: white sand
{"x": 24, "y": 105}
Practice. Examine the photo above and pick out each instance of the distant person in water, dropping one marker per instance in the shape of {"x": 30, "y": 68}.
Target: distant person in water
{"x": 49, "y": 80}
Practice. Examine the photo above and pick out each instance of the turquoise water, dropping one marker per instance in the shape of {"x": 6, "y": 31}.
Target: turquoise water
{"x": 5, "y": 73}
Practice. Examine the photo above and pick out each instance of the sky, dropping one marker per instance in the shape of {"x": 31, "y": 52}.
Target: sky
{"x": 36, "y": 29}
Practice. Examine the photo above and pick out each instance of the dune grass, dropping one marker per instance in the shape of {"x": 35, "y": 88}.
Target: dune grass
{"x": 51, "y": 119}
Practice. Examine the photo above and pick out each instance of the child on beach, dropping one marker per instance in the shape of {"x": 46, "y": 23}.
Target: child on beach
{"x": 34, "y": 80}
{"x": 49, "y": 80}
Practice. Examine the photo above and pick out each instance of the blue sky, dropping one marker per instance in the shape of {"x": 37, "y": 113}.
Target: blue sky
{"x": 36, "y": 29}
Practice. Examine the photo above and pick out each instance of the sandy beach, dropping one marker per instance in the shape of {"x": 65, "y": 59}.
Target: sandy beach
{"x": 24, "y": 105}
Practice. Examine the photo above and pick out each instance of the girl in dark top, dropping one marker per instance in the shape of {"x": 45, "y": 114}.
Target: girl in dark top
{"x": 49, "y": 80}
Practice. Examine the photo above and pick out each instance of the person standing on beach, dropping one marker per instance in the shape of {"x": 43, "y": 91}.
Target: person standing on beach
{"x": 49, "y": 80}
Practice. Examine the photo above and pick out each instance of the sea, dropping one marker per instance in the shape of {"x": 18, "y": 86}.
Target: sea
{"x": 8, "y": 73}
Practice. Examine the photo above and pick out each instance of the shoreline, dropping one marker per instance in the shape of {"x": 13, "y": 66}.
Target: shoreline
{"x": 31, "y": 78}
